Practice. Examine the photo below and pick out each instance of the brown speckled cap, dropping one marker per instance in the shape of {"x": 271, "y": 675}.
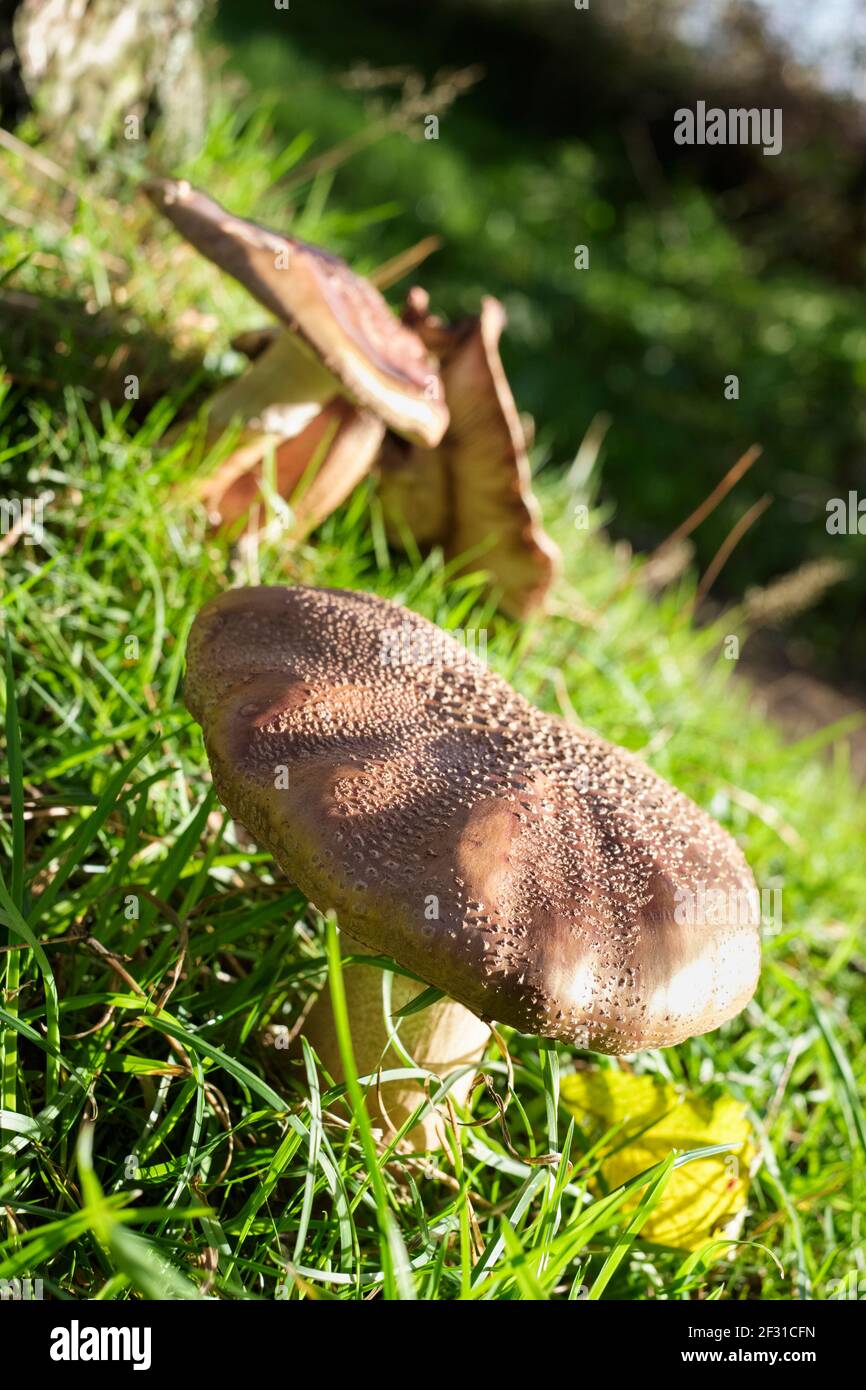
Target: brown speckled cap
{"x": 537, "y": 874}
{"x": 379, "y": 361}
{"x": 473, "y": 492}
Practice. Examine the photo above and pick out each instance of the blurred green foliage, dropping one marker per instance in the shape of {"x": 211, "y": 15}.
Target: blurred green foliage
{"x": 678, "y": 293}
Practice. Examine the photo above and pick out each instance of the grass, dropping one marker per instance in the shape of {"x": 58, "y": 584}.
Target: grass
{"x": 156, "y": 1141}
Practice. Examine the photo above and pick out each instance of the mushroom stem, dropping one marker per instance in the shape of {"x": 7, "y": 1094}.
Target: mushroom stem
{"x": 281, "y": 391}
{"x": 440, "y": 1038}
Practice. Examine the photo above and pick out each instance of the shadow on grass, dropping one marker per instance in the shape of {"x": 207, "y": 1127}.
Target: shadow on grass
{"x": 49, "y": 344}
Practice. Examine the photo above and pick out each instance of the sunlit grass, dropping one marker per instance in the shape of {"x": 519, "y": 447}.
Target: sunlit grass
{"x": 155, "y": 1139}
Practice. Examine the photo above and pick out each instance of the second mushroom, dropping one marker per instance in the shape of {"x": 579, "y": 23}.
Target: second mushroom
{"x": 340, "y": 382}
{"x": 321, "y": 389}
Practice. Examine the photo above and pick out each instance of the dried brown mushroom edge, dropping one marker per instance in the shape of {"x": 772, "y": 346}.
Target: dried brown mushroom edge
{"x": 577, "y": 894}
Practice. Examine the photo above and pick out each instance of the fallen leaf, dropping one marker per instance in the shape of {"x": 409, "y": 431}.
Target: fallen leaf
{"x": 703, "y": 1198}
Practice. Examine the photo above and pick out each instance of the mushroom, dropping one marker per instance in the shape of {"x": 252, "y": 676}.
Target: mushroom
{"x": 473, "y": 491}
{"x": 341, "y": 343}
{"x": 317, "y": 468}
{"x": 534, "y": 873}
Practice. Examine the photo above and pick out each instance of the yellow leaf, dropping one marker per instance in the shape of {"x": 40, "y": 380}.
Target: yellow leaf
{"x": 701, "y": 1198}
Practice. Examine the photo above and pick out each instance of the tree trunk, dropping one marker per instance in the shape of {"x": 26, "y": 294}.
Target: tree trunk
{"x": 100, "y": 71}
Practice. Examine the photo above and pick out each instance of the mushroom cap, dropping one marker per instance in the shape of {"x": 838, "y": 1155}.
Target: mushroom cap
{"x": 379, "y": 362}
{"x": 314, "y": 470}
{"x": 534, "y": 872}
{"x": 473, "y": 492}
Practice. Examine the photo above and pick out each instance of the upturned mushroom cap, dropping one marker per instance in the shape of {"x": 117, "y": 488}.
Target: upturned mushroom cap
{"x": 314, "y": 470}
{"x": 473, "y": 492}
{"x": 537, "y": 874}
{"x": 375, "y": 359}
